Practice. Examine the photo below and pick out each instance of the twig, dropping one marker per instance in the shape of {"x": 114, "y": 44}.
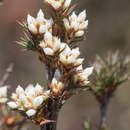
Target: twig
{"x": 103, "y": 110}
{"x": 6, "y": 75}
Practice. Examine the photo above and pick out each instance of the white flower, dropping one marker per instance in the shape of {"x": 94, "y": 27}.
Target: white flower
{"x": 12, "y": 105}
{"x": 19, "y": 90}
{"x": 76, "y": 23}
{"x": 39, "y": 25}
{"x": 31, "y": 112}
{"x": 50, "y": 44}
{"x": 82, "y": 76}
{"x": 38, "y": 101}
{"x": 38, "y": 89}
{"x": 56, "y": 86}
{"x": 57, "y": 4}
{"x": 3, "y": 94}
{"x": 70, "y": 57}
{"x": 30, "y": 98}
{"x": 66, "y": 4}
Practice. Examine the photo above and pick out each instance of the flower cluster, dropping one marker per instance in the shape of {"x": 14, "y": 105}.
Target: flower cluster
{"x": 59, "y": 4}
{"x": 28, "y": 100}
{"x": 70, "y": 57}
{"x": 81, "y": 77}
{"x": 39, "y": 25}
{"x": 76, "y": 24}
{"x": 108, "y": 74}
{"x": 3, "y": 94}
{"x": 50, "y": 44}
{"x": 52, "y": 39}
{"x": 56, "y": 86}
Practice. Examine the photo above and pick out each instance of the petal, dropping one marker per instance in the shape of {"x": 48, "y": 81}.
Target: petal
{"x": 56, "y": 5}
{"x": 79, "y": 61}
{"x": 31, "y": 112}
{"x": 3, "y": 91}
{"x": 38, "y": 89}
{"x": 79, "y": 68}
{"x": 40, "y": 16}
{"x": 42, "y": 44}
{"x": 49, "y": 23}
{"x": 19, "y": 90}
{"x": 79, "y": 33}
{"x": 37, "y": 101}
{"x": 88, "y": 71}
{"x": 30, "y": 19}
{"x": 48, "y": 37}
{"x": 32, "y": 28}
{"x": 82, "y": 16}
{"x": 48, "y": 51}
{"x": 66, "y": 23}
{"x": 66, "y": 4}
{"x": 75, "y": 52}
{"x": 12, "y": 105}
{"x": 42, "y": 29}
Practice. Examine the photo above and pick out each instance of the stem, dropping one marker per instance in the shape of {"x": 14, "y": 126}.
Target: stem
{"x": 6, "y": 75}
{"x": 103, "y": 111}
{"x": 49, "y": 75}
{"x": 53, "y": 106}
{"x": 54, "y": 109}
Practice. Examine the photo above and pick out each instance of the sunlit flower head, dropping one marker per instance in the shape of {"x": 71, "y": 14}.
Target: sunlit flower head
{"x": 82, "y": 75}
{"x": 75, "y": 23}
{"x": 28, "y": 100}
{"x": 70, "y": 57}
{"x": 50, "y": 44}
{"x": 59, "y": 4}
{"x": 56, "y": 86}
{"x": 39, "y": 25}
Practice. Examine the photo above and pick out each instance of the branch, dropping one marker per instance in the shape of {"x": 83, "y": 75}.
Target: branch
{"x": 103, "y": 110}
{"x": 6, "y": 75}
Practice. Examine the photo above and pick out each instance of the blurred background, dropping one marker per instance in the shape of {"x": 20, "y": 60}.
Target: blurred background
{"x": 109, "y": 29}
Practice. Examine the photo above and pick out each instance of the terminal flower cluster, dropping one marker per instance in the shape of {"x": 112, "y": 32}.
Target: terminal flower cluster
{"x": 28, "y": 100}
{"x": 52, "y": 39}
{"x": 76, "y": 24}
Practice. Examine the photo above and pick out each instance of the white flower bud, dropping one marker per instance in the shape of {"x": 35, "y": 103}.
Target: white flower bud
{"x": 66, "y": 23}
{"x": 19, "y": 90}
{"x": 32, "y": 28}
{"x": 3, "y": 100}
{"x": 88, "y": 71}
{"x": 79, "y": 68}
{"x": 82, "y": 75}
{"x": 56, "y": 86}
{"x": 48, "y": 51}
{"x": 30, "y": 19}
{"x": 79, "y": 61}
{"x": 38, "y": 89}
{"x": 51, "y": 44}
{"x": 12, "y": 105}
{"x": 82, "y": 16}
{"x": 79, "y": 33}
{"x": 66, "y": 4}
{"x": 42, "y": 29}
{"x": 40, "y": 16}
{"x": 31, "y": 112}
{"x": 37, "y": 101}
{"x": 3, "y": 91}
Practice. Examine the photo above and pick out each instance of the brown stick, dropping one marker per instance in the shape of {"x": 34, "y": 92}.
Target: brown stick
{"x": 6, "y": 75}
